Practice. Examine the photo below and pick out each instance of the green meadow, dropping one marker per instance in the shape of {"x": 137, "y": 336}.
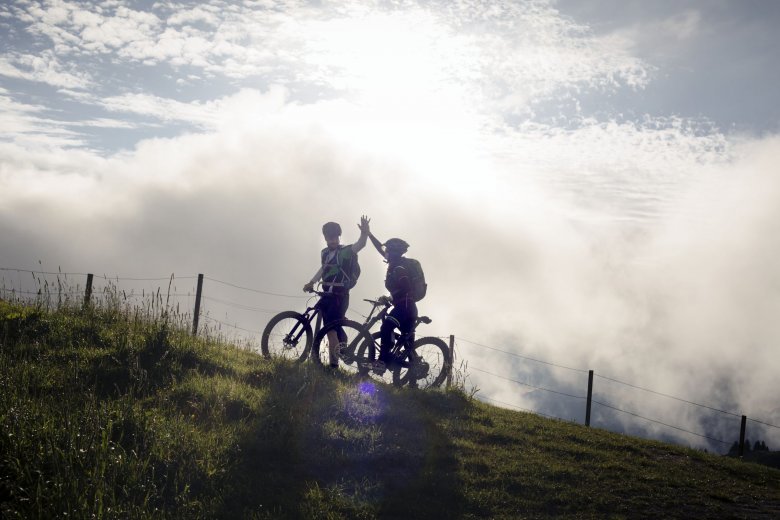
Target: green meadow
{"x": 116, "y": 412}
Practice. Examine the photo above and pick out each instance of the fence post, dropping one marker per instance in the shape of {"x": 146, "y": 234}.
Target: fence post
{"x": 742, "y": 436}
{"x": 88, "y": 292}
{"x": 451, "y": 360}
{"x": 590, "y": 397}
{"x": 196, "y": 315}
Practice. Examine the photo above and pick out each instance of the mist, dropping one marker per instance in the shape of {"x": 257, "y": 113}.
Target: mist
{"x": 678, "y": 299}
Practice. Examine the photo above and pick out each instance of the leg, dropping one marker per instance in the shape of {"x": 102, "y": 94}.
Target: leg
{"x": 335, "y": 311}
{"x": 333, "y": 341}
{"x": 352, "y": 330}
{"x": 389, "y": 324}
{"x": 405, "y": 314}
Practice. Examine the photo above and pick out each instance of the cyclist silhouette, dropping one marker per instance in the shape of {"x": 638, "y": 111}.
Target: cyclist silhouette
{"x": 399, "y": 282}
{"x": 338, "y": 271}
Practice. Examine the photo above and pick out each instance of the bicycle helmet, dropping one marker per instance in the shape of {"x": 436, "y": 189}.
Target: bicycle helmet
{"x": 331, "y": 230}
{"x": 396, "y": 245}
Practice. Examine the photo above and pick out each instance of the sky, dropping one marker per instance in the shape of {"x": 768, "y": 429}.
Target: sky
{"x": 592, "y": 184}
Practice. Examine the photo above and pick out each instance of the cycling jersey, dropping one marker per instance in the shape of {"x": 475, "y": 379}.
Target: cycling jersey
{"x": 330, "y": 272}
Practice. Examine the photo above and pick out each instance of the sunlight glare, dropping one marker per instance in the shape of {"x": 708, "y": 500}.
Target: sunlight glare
{"x": 403, "y": 76}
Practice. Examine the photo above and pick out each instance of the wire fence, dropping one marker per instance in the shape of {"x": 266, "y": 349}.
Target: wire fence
{"x": 219, "y": 311}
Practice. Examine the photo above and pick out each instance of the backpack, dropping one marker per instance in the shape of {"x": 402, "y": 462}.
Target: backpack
{"x": 344, "y": 271}
{"x": 417, "y": 278}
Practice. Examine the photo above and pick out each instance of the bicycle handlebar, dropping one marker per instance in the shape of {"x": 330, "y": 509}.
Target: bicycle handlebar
{"x": 379, "y": 301}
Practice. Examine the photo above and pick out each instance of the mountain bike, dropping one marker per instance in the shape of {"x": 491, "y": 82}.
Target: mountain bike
{"x": 419, "y": 363}
{"x": 289, "y": 334}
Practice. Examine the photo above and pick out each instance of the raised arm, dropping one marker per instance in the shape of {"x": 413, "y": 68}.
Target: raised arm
{"x": 365, "y": 231}
{"x": 377, "y": 244}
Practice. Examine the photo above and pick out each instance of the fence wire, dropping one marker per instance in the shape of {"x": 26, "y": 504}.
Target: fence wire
{"x": 656, "y": 421}
{"x": 241, "y": 305}
{"x": 666, "y": 395}
{"x": 525, "y": 384}
{"x": 259, "y": 291}
{"x": 481, "y": 396}
{"x": 171, "y": 278}
{"x": 514, "y": 354}
{"x": 209, "y": 318}
{"x": 711, "y": 408}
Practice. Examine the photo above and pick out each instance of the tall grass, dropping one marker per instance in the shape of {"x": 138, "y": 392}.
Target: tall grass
{"x": 95, "y": 410}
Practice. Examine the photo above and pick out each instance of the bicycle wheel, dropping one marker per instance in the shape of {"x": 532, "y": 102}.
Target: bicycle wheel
{"x": 428, "y": 367}
{"x": 320, "y": 352}
{"x": 288, "y": 335}
{"x": 364, "y": 361}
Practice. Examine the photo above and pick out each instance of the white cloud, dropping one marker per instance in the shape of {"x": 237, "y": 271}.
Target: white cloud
{"x": 203, "y": 14}
{"x": 682, "y": 26}
{"x": 44, "y": 68}
{"x": 664, "y": 37}
{"x": 103, "y": 122}
{"x": 164, "y": 109}
{"x": 26, "y": 125}
{"x": 513, "y": 54}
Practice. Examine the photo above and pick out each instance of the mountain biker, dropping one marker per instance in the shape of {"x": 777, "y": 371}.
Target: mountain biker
{"x": 399, "y": 283}
{"x": 336, "y": 282}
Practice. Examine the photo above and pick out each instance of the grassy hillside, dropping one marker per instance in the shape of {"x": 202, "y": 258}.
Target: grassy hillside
{"x": 119, "y": 414}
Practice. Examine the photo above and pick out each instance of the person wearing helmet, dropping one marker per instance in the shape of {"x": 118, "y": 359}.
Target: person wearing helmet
{"x": 398, "y": 281}
{"x": 338, "y": 273}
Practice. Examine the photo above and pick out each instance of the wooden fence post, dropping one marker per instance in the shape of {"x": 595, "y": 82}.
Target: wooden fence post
{"x": 196, "y": 315}
{"x": 742, "y": 428}
{"x": 451, "y": 360}
{"x": 88, "y": 291}
{"x": 590, "y": 398}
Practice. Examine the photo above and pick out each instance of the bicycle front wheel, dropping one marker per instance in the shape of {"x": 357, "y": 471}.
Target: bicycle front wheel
{"x": 321, "y": 349}
{"x": 288, "y": 336}
{"x": 428, "y": 365}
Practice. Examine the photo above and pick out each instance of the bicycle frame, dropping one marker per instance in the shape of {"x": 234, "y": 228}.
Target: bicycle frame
{"x": 371, "y": 321}
{"x": 309, "y": 314}
{"x": 406, "y": 341}
{"x": 408, "y": 366}
{"x": 401, "y": 340}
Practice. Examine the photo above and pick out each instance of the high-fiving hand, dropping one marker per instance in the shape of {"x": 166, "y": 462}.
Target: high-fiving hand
{"x": 363, "y": 226}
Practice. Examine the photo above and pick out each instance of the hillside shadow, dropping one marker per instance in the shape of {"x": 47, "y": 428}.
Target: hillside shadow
{"x": 333, "y": 445}
{"x": 268, "y": 480}
{"x": 426, "y": 484}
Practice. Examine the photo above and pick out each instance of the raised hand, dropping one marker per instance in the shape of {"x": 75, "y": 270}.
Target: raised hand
{"x": 364, "y": 225}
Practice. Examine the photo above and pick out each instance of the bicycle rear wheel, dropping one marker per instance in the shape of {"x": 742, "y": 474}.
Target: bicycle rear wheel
{"x": 320, "y": 352}
{"x": 428, "y": 367}
{"x": 288, "y": 335}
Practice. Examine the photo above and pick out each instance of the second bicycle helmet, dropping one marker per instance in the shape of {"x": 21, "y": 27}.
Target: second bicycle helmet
{"x": 396, "y": 245}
